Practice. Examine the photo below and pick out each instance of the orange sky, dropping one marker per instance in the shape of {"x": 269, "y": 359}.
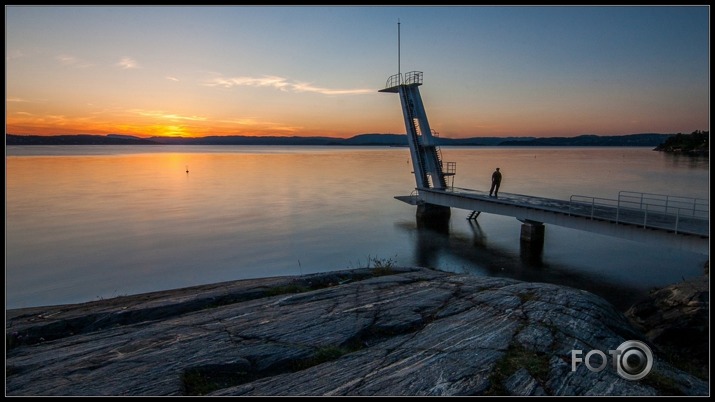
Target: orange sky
{"x": 316, "y": 71}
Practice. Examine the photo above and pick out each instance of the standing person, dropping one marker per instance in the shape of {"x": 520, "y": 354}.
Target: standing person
{"x": 496, "y": 182}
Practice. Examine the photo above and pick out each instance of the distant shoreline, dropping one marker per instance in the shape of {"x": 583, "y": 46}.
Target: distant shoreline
{"x": 393, "y": 140}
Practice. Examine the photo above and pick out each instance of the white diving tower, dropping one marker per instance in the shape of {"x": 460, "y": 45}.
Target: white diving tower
{"x": 429, "y": 170}
{"x": 661, "y": 220}
{"x": 651, "y": 218}
{"x": 426, "y": 157}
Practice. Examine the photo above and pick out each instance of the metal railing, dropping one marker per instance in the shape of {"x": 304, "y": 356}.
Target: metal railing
{"x": 451, "y": 169}
{"x": 681, "y": 206}
{"x": 678, "y": 214}
{"x": 393, "y": 81}
{"x": 413, "y": 77}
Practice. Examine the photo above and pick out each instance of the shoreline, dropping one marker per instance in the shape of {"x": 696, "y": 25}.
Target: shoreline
{"x": 329, "y": 326}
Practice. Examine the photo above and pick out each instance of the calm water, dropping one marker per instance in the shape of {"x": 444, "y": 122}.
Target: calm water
{"x": 91, "y": 222}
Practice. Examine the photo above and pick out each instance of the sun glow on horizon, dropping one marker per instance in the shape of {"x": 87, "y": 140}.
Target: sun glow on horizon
{"x": 262, "y": 71}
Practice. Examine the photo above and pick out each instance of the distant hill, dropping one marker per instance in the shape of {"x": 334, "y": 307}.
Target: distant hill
{"x": 375, "y": 139}
{"x": 630, "y": 140}
{"x": 244, "y": 140}
{"x": 372, "y": 139}
{"x": 80, "y": 139}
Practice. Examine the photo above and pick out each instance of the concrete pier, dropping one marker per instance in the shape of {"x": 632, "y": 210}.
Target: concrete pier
{"x": 533, "y": 232}
{"x": 659, "y": 229}
{"x": 434, "y": 217}
{"x": 532, "y": 242}
{"x": 432, "y": 211}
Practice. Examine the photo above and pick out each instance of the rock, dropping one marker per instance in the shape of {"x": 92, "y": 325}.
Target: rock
{"x": 675, "y": 319}
{"x": 388, "y": 332}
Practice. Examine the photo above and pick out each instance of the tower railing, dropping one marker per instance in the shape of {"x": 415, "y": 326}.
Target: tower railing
{"x": 393, "y": 81}
{"x": 413, "y": 77}
{"x": 410, "y": 78}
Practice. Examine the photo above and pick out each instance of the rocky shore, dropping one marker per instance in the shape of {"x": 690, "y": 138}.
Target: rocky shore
{"x": 384, "y": 331}
{"x": 676, "y": 319}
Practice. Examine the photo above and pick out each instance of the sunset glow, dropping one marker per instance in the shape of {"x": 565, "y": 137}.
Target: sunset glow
{"x": 316, "y": 71}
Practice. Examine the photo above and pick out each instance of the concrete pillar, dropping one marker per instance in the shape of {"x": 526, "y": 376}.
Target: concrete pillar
{"x": 433, "y": 216}
{"x": 532, "y": 242}
{"x": 426, "y": 210}
{"x": 532, "y": 232}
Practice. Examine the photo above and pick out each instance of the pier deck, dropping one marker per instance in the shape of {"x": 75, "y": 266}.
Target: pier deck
{"x": 676, "y": 222}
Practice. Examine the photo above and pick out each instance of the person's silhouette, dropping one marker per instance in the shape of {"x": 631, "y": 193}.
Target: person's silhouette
{"x": 496, "y": 182}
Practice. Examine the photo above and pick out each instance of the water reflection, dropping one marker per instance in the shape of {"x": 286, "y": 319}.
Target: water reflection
{"x": 433, "y": 243}
{"x": 91, "y": 222}
{"x": 691, "y": 162}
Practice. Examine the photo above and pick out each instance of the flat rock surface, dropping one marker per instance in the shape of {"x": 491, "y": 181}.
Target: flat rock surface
{"x": 373, "y": 331}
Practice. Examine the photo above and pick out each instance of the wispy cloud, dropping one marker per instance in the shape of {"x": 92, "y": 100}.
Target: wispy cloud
{"x": 168, "y": 116}
{"x": 306, "y": 87}
{"x": 127, "y": 63}
{"x": 282, "y": 84}
{"x": 170, "y": 78}
{"x": 252, "y": 126}
{"x": 15, "y": 54}
{"x": 16, "y": 100}
{"x": 71, "y": 61}
{"x": 251, "y": 122}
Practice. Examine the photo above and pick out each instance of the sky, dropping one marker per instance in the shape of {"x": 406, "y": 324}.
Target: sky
{"x": 488, "y": 71}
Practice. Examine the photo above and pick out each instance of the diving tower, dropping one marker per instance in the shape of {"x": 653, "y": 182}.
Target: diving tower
{"x": 661, "y": 220}
{"x": 429, "y": 169}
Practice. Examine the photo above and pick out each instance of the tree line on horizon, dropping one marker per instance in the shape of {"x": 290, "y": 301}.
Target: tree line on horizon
{"x": 696, "y": 143}
{"x": 644, "y": 139}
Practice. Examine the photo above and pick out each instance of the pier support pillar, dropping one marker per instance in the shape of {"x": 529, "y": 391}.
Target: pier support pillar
{"x": 533, "y": 233}
{"x": 532, "y": 242}
{"x": 433, "y": 216}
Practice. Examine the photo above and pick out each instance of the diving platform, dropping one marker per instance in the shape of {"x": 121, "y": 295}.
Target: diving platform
{"x": 660, "y": 220}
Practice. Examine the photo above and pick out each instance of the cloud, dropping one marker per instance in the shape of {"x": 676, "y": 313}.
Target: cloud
{"x": 71, "y": 61}
{"x": 306, "y": 87}
{"x": 168, "y": 116}
{"x": 66, "y": 60}
{"x": 282, "y": 84}
{"x": 127, "y": 63}
{"x": 15, "y": 54}
{"x": 170, "y": 78}
{"x": 16, "y": 100}
{"x": 258, "y": 126}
